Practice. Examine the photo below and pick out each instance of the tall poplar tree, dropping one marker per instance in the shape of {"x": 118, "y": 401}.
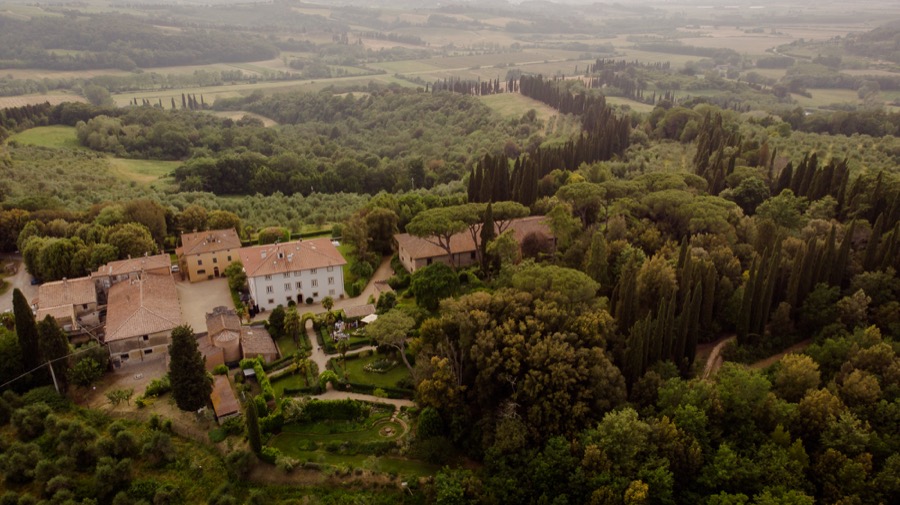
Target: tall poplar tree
{"x": 187, "y": 371}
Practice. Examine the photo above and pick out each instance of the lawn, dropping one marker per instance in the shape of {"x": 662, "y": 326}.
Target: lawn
{"x": 516, "y": 105}
{"x": 292, "y": 381}
{"x": 142, "y": 171}
{"x": 49, "y": 136}
{"x": 356, "y": 371}
{"x": 384, "y": 464}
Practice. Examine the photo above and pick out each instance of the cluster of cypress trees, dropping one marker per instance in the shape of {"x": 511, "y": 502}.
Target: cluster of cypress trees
{"x": 473, "y": 86}
{"x": 672, "y": 332}
{"x": 604, "y": 135}
{"x": 711, "y": 161}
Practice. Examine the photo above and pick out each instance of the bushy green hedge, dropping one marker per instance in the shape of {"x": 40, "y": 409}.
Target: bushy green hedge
{"x": 312, "y": 390}
{"x": 257, "y": 365}
{"x": 395, "y": 393}
{"x": 317, "y": 410}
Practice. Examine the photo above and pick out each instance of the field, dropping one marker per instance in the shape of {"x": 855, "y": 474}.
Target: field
{"x": 516, "y": 105}
{"x": 825, "y": 97}
{"x": 143, "y": 172}
{"x": 49, "y": 136}
{"x": 23, "y": 100}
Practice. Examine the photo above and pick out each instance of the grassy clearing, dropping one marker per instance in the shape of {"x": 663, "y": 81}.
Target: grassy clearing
{"x": 142, "y": 171}
{"x": 516, "y": 105}
{"x": 385, "y": 464}
{"x": 638, "y": 106}
{"x": 48, "y": 136}
{"x": 356, "y": 372}
{"x": 826, "y": 97}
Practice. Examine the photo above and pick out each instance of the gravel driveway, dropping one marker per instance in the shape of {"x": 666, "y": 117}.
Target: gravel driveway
{"x": 22, "y": 281}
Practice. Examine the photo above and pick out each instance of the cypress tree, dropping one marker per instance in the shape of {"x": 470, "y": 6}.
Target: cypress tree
{"x": 54, "y": 345}
{"x": 26, "y": 331}
{"x": 487, "y": 234}
{"x": 872, "y": 246}
{"x": 597, "y": 261}
{"x": 843, "y": 255}
{"x": 187, "y": 371}
{"x": 252, "y": 421}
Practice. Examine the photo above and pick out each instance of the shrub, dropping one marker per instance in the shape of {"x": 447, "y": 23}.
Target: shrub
{"x": 234, "y": 426}
{"x": 269, "y": 454}
{"x": 158, "y": 386}
{"x": 309, "y": 300}
{"x": 220, "y": 370}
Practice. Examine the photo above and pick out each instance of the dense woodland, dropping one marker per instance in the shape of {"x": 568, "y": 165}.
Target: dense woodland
{"x": 565, "y": 374}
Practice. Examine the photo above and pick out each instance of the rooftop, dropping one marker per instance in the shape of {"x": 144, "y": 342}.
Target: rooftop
{"x": 419, "y": 248}
{"x": 222, "y": 319}
{"x": 223, "y": 399}
{"x": 290, "y": 257}
{"x": 359, "y": 310}
{"x": 67, "y": 292}
{"x": 256, "y": 340}
{"x": 142, "y": 307}
{"x": 132, "y": 265}
{"x": 208, "y": 241}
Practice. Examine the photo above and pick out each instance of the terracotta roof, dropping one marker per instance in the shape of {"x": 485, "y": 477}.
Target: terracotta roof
{"x": 223, "y": 319}
{"x": 290, "y": 257}
{"x": 223, "y": 399}
{"x": 419, "y": 248}
{"x": 142, "y": 307}
{"x": 359, "y": 310}
{"x": 66, "y": 292}
{"x": 256, "y": 340}
{"x": 132, "y": 265}
{"x": 208, "y": 241}
{"x": 60, "y": 312}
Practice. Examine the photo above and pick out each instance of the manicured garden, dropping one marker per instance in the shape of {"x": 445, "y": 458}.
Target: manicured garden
{"x": 377, "y": 370}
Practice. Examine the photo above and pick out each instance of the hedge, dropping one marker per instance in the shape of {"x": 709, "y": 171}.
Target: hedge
{"x": 317, "y": 410}
{"x": 312, "y": 391}
{"x": 394, "y": 393}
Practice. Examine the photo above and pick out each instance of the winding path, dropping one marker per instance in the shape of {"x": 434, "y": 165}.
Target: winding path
{"x": 715, "y": 357}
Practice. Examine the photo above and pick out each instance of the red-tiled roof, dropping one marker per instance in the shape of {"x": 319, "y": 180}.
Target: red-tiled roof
{"x": 290, "y": 257}
{"x": 223, "y": 399}
{"x": 256, "y": 340}
{"x": 67, "y": 292}
{"x": 208, "y": 241}
{"x": 132, "y": 265}
{"x": 420, "y": 248}
{"x": 142, "y": 307}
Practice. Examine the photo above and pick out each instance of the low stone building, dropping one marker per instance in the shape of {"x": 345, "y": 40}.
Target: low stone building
{"x": 225, "y": 403}
{"x": 126, "y": 270}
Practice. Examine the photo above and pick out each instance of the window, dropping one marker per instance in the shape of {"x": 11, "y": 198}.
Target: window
{"x": 287, "y": 275}
{"x": 229, "y": 259}
{"x": 268, "y": 277}
{"x": 330, "y": 268}
{"x": 215, "y": 260}
{"x": 270, "y": 289}
{"x": 313, "y": 271}
{"x": 199, "y": 262}
{"x": 123, "y": 357}
{"x": 315, "y": 294}
{"x": 145, "y": 338}
{"x": 148, "y": 351}
{"x": 428, "y": 262}
{"x": 331, "y": 280}
{"x": 201, "y": 271}
{"x": 271, "y": 301}
{"x": 289, "y": 299}
{"x": 299, "y": 285}
{"x": 297, "y": 274}
{"x": 330, "y": 292}
{"x": 287, "y": 286}
{"x": 315, "y": 283}
{"x": 472, "y": 255}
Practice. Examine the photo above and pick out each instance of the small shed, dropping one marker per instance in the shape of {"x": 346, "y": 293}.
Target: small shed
{"x": 225, "y": 404}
